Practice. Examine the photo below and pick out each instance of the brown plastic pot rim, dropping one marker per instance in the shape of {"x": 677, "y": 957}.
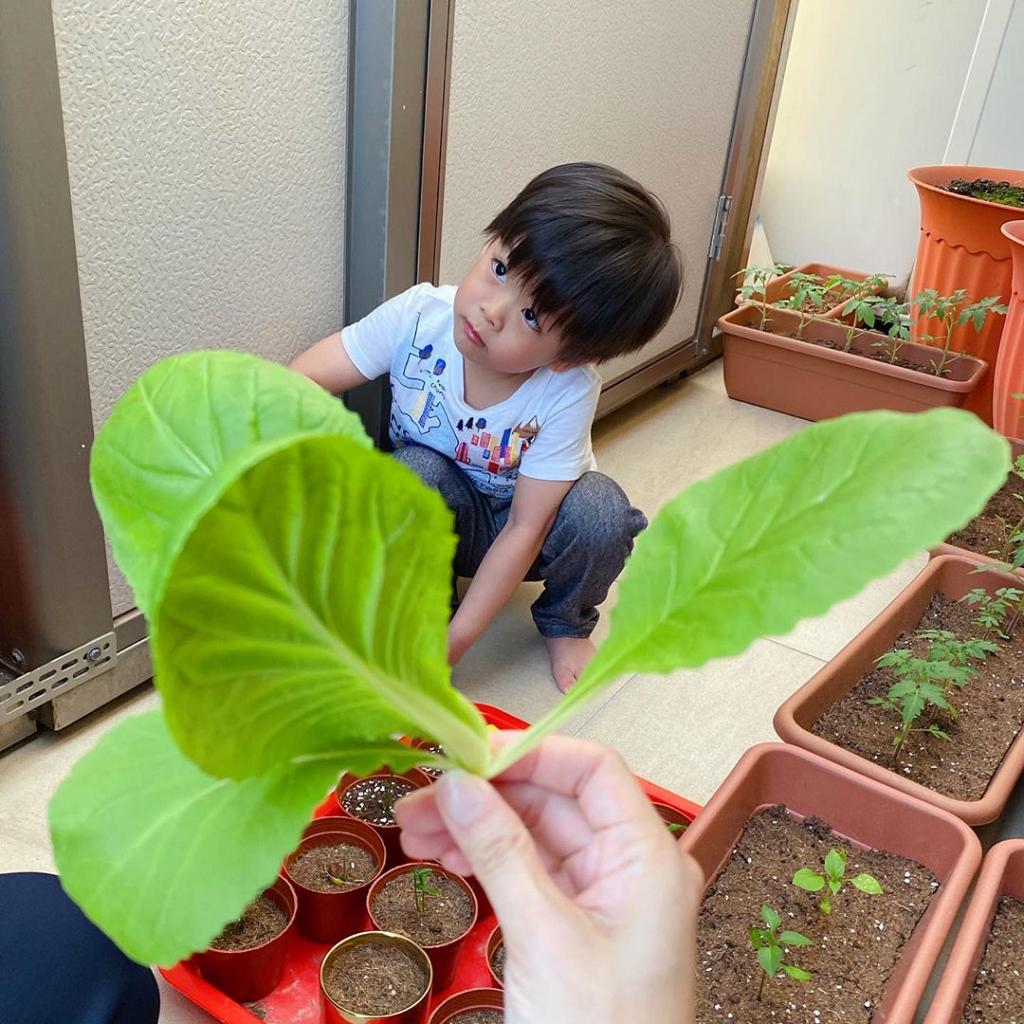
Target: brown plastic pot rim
{"x": 971, "y": 812}
{"x": 467, "y": 1001}
{"x": 494, "y": 940}
{"x": 1014, "y": 231}
{"x": 727, "y": 325}
{"x": 346, "y": 781}
{"x": 933, "y": 178}
{"x": 404, "y": 869}
{"x": 352, "y": 840}
{"x": 289, "y": 896}
{"x": 382, "y": 938}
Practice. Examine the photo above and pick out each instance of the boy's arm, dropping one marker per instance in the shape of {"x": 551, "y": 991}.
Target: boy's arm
{"x": 534, "y": 507}
{"x": 329, "y": 365}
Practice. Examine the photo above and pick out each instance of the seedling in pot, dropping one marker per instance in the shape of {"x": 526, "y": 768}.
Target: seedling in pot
{"x": 835, "y": 880}
{"x": 993, "y": 609}
{"x": 755, "y": 285}
{"x": 1010, "y": 554}
{"x": 675, "y": 827}
{"x": 953, "y": 311}
{"x": 895, "y": 319}
{"x": 339, "y": 873}
{"x": 768, "y": 941}
{"x": 807, "y": 299}
{"x": 866, "y": 310}
{"x": 422, "y": 889}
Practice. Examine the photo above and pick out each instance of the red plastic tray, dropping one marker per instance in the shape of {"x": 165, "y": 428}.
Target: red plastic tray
{"x": 297, "y": 997}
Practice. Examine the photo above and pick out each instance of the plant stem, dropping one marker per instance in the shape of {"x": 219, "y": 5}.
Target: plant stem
{"x": 760, "y": 988}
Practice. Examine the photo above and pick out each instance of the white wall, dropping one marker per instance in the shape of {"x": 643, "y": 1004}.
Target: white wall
{"x": 871, "y": 89}
{"x": 999, "y": 141}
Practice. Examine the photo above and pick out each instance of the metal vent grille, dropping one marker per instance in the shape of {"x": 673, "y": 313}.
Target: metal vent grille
{"x": 25, "y": 692}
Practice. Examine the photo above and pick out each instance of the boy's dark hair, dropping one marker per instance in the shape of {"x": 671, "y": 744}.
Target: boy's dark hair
{"x": 593, "y": 248}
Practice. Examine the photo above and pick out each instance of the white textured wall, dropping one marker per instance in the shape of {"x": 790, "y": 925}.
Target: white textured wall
{"x": 207, "y": 162}
{"x": 999, "y": 141}
{"x": 870, "y": 90}
{"x": 648, "y": 86}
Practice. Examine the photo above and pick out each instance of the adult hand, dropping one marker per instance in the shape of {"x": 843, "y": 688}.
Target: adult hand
{"x": 596, "y": 902}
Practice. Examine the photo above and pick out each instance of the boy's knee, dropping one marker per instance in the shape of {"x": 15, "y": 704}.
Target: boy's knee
{"x": 429, "y": 465}
{"x": 597, "y": 512}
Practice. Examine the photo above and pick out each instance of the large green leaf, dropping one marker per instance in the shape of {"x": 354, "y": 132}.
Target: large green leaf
{"x": 162, "y": 856}
{"x": 186, "y": 421}
{"x": 310, "y": 606}
{"x": 784, "y": 535}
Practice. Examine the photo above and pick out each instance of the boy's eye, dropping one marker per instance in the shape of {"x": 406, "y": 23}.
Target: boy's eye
{"x": 531, "y": 318}
{"x": 499, "y": 268}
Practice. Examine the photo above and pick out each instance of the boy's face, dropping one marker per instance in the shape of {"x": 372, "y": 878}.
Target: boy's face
{"x": 495, "y": 325}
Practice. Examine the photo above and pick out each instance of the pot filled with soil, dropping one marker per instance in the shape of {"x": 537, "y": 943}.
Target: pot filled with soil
{"x": 372, "y": 799}
{"x": 476, "y": 1006}
{"x": 331, "y": 870}
{"x": 246, "y": 961}
{"x": 983, "y": 982}
{"x": 675, "y": 821}
{"x": 432, "y": 906}
{"x": 818, "y": 369}
{"x": 997, "y": 533}
{"x": 940, "y": 716}
{"x": 961, "y": 246}
{"x": 1007, "y": 411}
{"x": 494, "y": 953}
{"x": 375, "y": 978}
{"x": 772, "y": 840}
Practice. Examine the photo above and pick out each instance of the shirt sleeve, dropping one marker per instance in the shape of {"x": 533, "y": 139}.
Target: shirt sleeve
{"x": 371, "y": 342}
{"x": 562, "y": 449}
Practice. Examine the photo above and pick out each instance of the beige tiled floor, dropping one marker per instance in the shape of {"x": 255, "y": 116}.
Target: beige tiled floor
{"x": 684, "y": 731}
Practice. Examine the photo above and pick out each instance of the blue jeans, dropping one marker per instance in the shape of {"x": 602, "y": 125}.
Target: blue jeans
{"x": 582, "y": 554}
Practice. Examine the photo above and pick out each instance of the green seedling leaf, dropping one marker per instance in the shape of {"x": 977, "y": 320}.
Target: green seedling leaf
{"x": 180, "y": 429}
{"x": 825, "y": 904}
{"x": 794, "y": 939}
{"x": 770, "y": 917}
{"x": 835, "y": 864}
{"x": 867, "y": 883}
{"x": 784, "y": 535}
{"x": 165, "y": 858}
{"x": 770, "y": 958}
{"x": 796, "y": 973}
{"x": 809, "y": 881}
{"x": 309, "y": 608}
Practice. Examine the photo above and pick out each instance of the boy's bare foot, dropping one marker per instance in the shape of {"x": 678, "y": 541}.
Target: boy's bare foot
{"x": 569, "y": 656}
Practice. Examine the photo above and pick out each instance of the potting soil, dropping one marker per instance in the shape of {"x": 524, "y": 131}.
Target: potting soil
{"x": 985, "y": 533}
{"x": 878, "y": 355}
{"x": 373, "y": 800}
{"x": 855, "y": 948}
{"x": 479, "y": 1017}
{"x": 991, "y": 714}
{"x": 1001, "y": 192}
{"x": 498, "y": 962}
{"x": 444, "y": 918}
{"x": 313, "y": 867}
{"x": 375, "y": 979}
{"x": 998, "y": 993}
{"x": 262, "y": 920}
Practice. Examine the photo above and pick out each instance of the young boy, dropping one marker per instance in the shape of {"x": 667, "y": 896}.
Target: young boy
{"x": 494, "y": 390}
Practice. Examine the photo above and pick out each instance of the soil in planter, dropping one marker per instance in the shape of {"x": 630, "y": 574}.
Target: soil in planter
{"x": 446, "y": 916}
{"x": 991, "y": 191}
{"x": 313, "y": 867}
{"x": 373, "y": 800}
{"x": 478, "y": 1017}
{"x": 991, "y": 709}
{"x": 998, "y": 993}
{"x": 375, "y": 979}
{"x": 262, "y": 920}
{"x": 433, "y": 748}
{"x": 985, "y": 533}
{"x": 855, "y": 948}
{"x": 498, "y": 962}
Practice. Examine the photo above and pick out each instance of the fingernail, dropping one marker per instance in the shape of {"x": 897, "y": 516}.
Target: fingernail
{"x": 460, "y": 797}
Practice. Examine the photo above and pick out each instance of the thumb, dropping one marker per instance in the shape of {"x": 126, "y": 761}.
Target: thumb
{"x": 500, "y": 850}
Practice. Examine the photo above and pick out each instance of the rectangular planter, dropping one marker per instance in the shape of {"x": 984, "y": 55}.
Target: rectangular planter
{"x": 864, "y": 812}
{"x": 795, "y": 718}
{"x": 1002, "y": 874}
{"x": 817, "y": 383}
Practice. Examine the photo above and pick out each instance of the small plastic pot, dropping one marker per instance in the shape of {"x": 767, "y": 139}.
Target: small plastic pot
{"x": 671, "y": 816}
{"x": 465, "y": 1002}
{"x": 332, "y": 1012}
{"x": 248, "y": 974}
{"x": 388, "y": 833}
{"x": 332, "y": 916}
{"x": 445, "y": 956}
{"x": 494, "y": 941}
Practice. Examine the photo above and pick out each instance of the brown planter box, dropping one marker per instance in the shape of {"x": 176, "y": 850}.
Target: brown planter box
{"x": 817, "y": 383}
{"x": 865, "y": 812}
{"x": 794, "y": 719}
{"x": 1002, "y": 874}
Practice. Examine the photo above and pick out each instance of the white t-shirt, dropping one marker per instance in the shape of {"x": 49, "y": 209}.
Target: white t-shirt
{"x": 542, "y": 430}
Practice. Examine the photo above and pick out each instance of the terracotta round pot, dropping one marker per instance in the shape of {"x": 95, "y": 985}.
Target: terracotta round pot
{"x": 1007, "y": 411}
{"x": 494, "y": 940}
{"x": 388, "y": 833}
{"x": 332, "y": 916}
{"x": 961, "y": 246}
{"x": 464, "y": 1002}
{"x": 444, "y": 956}
{"x": 671, "y": 816}
{"x": 333, "y": 1013}
{"x": 248, "y": 974}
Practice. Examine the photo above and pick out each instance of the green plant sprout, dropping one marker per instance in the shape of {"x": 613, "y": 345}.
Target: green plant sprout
{"x": 895, "y": 316}
{"x": 834, "y": 879}
{"x": 807, "y": 299}
{"x": 1010, "y": 554}
{"x": 864, "y": 309}
{"x": 767, "y": 942}
{"x": 953, "y": 311}
{"x": 421, "y": 888}
{"x": 275, "y": 555}
{"x": 675, "y": 827}
{"x": 993, "y": 609}
{"x": 338, "y": 872}
{"x": 755, "y": 285}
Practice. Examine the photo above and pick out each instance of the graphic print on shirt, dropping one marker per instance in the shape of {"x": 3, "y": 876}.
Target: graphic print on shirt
{"x": 419, "y": 391}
